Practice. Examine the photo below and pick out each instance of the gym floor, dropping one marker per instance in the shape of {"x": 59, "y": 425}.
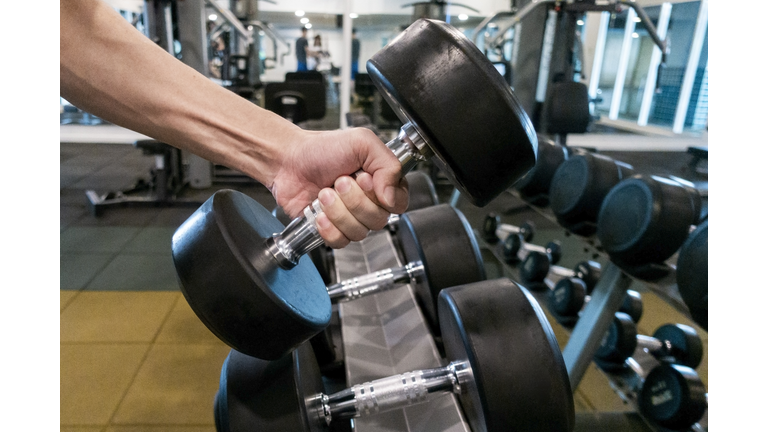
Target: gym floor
{"x": 134, "y": 356}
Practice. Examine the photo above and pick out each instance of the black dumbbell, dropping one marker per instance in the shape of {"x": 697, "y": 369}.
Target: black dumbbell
{"x": 441, "y": 251}
{"x": 242, "y": 271}
{"x": 579, "y": 186}
{"x": 567, "y": 299}
{"x": 646, "y": 219}
{"x": 492, "y": 226}
{"x": 673, "y": 396}
{"x": 537, "y": 266}
{"x": 670, "y": 343}
{"x": 534, "y": 186}
{"x": 514, "y": 244}
{"x": 693, "y": 274}
{"x": 505, "y": 369}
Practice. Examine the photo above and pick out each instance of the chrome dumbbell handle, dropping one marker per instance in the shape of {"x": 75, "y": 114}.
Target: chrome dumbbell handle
{"x": 301, "y": 235}
{"x": 382, "y": 280}
{"x": 397, "y": 391}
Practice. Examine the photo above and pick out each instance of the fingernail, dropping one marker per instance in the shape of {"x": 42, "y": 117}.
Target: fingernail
{"x": 343, "y": 185}
{"x": 389, "y": 196}
{"x": 326, "y": 197}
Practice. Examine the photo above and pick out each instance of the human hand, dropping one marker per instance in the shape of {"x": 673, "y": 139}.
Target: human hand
{"x": 320, "y": 159}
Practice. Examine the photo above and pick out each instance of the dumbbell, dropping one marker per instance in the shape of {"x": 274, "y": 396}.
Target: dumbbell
{"x": 243, "y": 272}
{"x": 693, "y": 275}
{"x": 441, "y": 251}
{"x": 567, "y": 299}
{"x": 534, "y": 186}
{"x": 670, "y": 343}
{"x": 514, "y": 244}
{"x": 645, "y": 219}
{"x": 537, "y": 266}
{"x": 673, "y": 396}
{"x": 504, "y": 366}
{"x": 492, "y": 226}
{"x": 579, "y": 187}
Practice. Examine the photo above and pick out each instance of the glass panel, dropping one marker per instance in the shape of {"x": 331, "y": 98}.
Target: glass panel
{"x": 637, "y": 70}
{"x": 610, "y": 66}
{"x": 697, "y": 115}
{"x": 682, "y": 24}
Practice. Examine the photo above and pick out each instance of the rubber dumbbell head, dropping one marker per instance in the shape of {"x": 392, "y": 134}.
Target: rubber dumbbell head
{"x": 506, "y": 371}
{"x": 693, "y": 274}
{"x": 244, "y": 274}
{"x": 646, "y": 219}
{"x": 673, "y": 396}
{"x": 579, "y": 186}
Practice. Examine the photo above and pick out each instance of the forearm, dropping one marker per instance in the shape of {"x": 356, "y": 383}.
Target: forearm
{"x": 111, "y": 70}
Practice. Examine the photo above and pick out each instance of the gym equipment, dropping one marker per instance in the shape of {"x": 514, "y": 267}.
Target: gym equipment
{"x": 645, "y": 219}
{"x": 534, "y": 186}
{"x": 673, "y": 396}
{"x": 504, "y": 367}
{"x": 421, "y": 191}
{"x": 670, "y": 343}
{"x": 297, "y": 100}
{"x": 492, "y": 227}
{"x": 692, "y": 274}
{"x": 256, "y": 287}
{"x": 578, "y": 188}
{"x": 567, "y": 299}
{"x": 441, "y": 252}
{"x": 165, "y": 184}
{"x": 537, "y": 266}
{"x": 513, "y": 245}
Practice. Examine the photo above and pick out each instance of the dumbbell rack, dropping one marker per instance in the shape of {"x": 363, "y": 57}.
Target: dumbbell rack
{"x": 586, "y": 336}
{"x": 385, "y": 334}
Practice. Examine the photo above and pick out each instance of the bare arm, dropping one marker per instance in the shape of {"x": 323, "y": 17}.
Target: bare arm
{"x": 110, "y": 69}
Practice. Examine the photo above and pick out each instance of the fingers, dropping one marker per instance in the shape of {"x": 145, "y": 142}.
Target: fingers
{"x": 350, "y": 212}
{"x": 389, "y": 186}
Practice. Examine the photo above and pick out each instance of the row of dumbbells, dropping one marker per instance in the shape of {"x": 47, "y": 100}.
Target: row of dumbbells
{"x": 462, "y": 311}
{"x": 640, "y": 221}
{"x": 671, "y": 394}
{"x": 570, "y": 289}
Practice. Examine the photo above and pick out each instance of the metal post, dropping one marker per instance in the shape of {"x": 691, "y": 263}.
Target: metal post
{"x": 597, "y": 62}
{"x": 194, "y": 41}
{"x": 594, "y": 322}
{"x": 621, "y": 73}
{"x": 653, "y": 67}
{"x": 346, "y": 66}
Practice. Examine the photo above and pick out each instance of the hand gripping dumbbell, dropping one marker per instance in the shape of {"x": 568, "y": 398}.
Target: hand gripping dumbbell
{"x": 670, "y": 343}
{"x": 673, "y": 396}
{"x": 514, "y": 246}
{"x": 567, "y": 299}
{"x": 537, "y": 266}
{"x": 504, "y": 366}
{"x": 421, "y": 193}
{"x": 243, "y": 272}
{"x": 492, "y": 227}
{"x": 579, "y": 187}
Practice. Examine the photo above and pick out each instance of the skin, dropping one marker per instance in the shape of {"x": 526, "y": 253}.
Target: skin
{"x": 110, "y": 69}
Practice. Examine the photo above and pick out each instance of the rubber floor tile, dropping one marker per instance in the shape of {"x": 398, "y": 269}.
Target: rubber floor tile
{"x": 116, "y": 316}
{"x": 175, "y": 385}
